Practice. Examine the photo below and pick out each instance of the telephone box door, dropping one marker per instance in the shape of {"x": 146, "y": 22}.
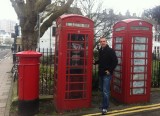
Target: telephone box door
{"x": 76, "y": 66}
{"x": 73, "y": 63}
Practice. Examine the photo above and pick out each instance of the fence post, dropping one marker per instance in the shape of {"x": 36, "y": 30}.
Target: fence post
{"x": 159, "y": 74}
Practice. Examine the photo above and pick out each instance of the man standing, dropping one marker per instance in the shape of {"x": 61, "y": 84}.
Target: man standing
{"x": 107, "y": 62}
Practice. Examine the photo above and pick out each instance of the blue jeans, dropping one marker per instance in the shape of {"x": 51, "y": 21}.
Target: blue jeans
{"x": 105, "y": 90}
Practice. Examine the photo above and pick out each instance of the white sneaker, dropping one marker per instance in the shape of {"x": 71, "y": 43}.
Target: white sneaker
{"x": 104, "y": 111}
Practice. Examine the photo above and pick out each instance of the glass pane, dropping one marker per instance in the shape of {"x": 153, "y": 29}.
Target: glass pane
{"x": 117, "y": 89}
{"x": 139, "y": 28}
{"x": 120, "y": 29}
{"x": 118, "y": 46}
{"x": 75, "y": 95}
{"x": 140, "y": 40}
{"x": 117, "y": 74}
{"x": 118, "y": 53}
{"x": 139, "y": 68}
{"x": 77, "y": 60}
{"x": 139, "y": 61}
{"x": 76, "y": 86}
{"x": 138, "y": 91}
{"x": 77, "y": 46}
{"x": 139, "y": 54}
{"x": 139, "y": 47}
{"x": 118, "y": 68}
{"x": 117, "y": 81}
{"x": 77, "y": 37}
{"x": 138, "y": 83}
{"x": 138, "y": 76}
{"x": 75, "y": 78}
{"x": 119, "y": 60}
{"x": 118, "y": 39}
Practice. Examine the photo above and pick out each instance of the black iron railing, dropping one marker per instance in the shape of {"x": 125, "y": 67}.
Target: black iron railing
{"x": 47, "y": 72}
{"x": 155, "y": 70}
{"x": 47, "y": 76}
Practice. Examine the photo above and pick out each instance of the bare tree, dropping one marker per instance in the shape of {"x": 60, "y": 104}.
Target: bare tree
{"x": 153, "y": 13}
{"x": 28, "y": 11}
{"x": 103, "y": 18}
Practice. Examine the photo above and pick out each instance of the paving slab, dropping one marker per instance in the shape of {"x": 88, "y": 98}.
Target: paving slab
{"x": 5, "y": 85}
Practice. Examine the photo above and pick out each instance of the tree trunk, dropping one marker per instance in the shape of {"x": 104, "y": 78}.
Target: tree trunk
{"x": 29, "y": 40}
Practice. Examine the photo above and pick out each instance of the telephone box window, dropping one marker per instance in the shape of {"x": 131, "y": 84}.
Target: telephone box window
{"x": 118, "y": 46}
{"x": 139, "y": 61}
{"x": 77, "y": 24}
{"x": 139, "y": 40}
{"x": 138, "y": 76}
{"x": 139, "y": 28}
{"x": 118, "y": 40}
{"x": 77, "y": 50}
{"x": 118, "y": 70}
{"x": 120, "y": 29}
{"x": 138, "y": 91}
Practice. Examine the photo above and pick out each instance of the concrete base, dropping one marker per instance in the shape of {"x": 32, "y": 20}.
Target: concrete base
{"x": 28, "y": 108}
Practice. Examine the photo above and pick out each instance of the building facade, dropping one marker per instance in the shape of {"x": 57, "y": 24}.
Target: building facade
{"x": 7, "y": 26}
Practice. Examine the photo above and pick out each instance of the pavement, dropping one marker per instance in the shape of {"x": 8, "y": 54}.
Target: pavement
{"x": 151, "y": 108}
{"x": 5, "y": 84}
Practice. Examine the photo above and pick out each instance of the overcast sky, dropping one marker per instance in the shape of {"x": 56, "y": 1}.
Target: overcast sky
{"x": 6, "y": 10}
{"x": 134, "y": 6}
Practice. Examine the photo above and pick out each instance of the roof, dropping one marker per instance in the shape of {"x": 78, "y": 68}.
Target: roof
{"x": 70, "y": 15}
{"x": 130, "y": 20}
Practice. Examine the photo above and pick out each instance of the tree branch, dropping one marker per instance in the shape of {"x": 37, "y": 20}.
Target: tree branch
{"x": 18, "y": 6}
{"x": 40, "y": 5}
{"x": 53, "y": 16}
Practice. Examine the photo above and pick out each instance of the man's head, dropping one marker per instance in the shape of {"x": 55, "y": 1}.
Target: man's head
{"x": 103, "y": 42}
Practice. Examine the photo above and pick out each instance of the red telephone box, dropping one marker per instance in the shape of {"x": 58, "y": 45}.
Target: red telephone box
{"x": 73, "y": 62}
{"x": 132, "y": 41}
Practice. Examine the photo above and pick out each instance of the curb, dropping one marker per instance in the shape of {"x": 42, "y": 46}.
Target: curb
{"x": 155, "y": 89}
{"x": 9, "y": 99}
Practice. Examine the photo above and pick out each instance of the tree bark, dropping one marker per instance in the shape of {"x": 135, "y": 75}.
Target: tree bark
{"x": 29, "y": 40}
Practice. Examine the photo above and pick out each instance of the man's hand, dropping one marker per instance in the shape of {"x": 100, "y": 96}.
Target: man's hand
{"x": 94, "y": 61}
{"x": 107, "y": 72}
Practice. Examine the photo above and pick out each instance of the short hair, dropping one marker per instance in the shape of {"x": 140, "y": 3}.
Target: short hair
{"x": 103, "y": 38}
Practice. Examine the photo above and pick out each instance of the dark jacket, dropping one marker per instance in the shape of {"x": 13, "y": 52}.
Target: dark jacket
{"x": 107, "y": 60}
